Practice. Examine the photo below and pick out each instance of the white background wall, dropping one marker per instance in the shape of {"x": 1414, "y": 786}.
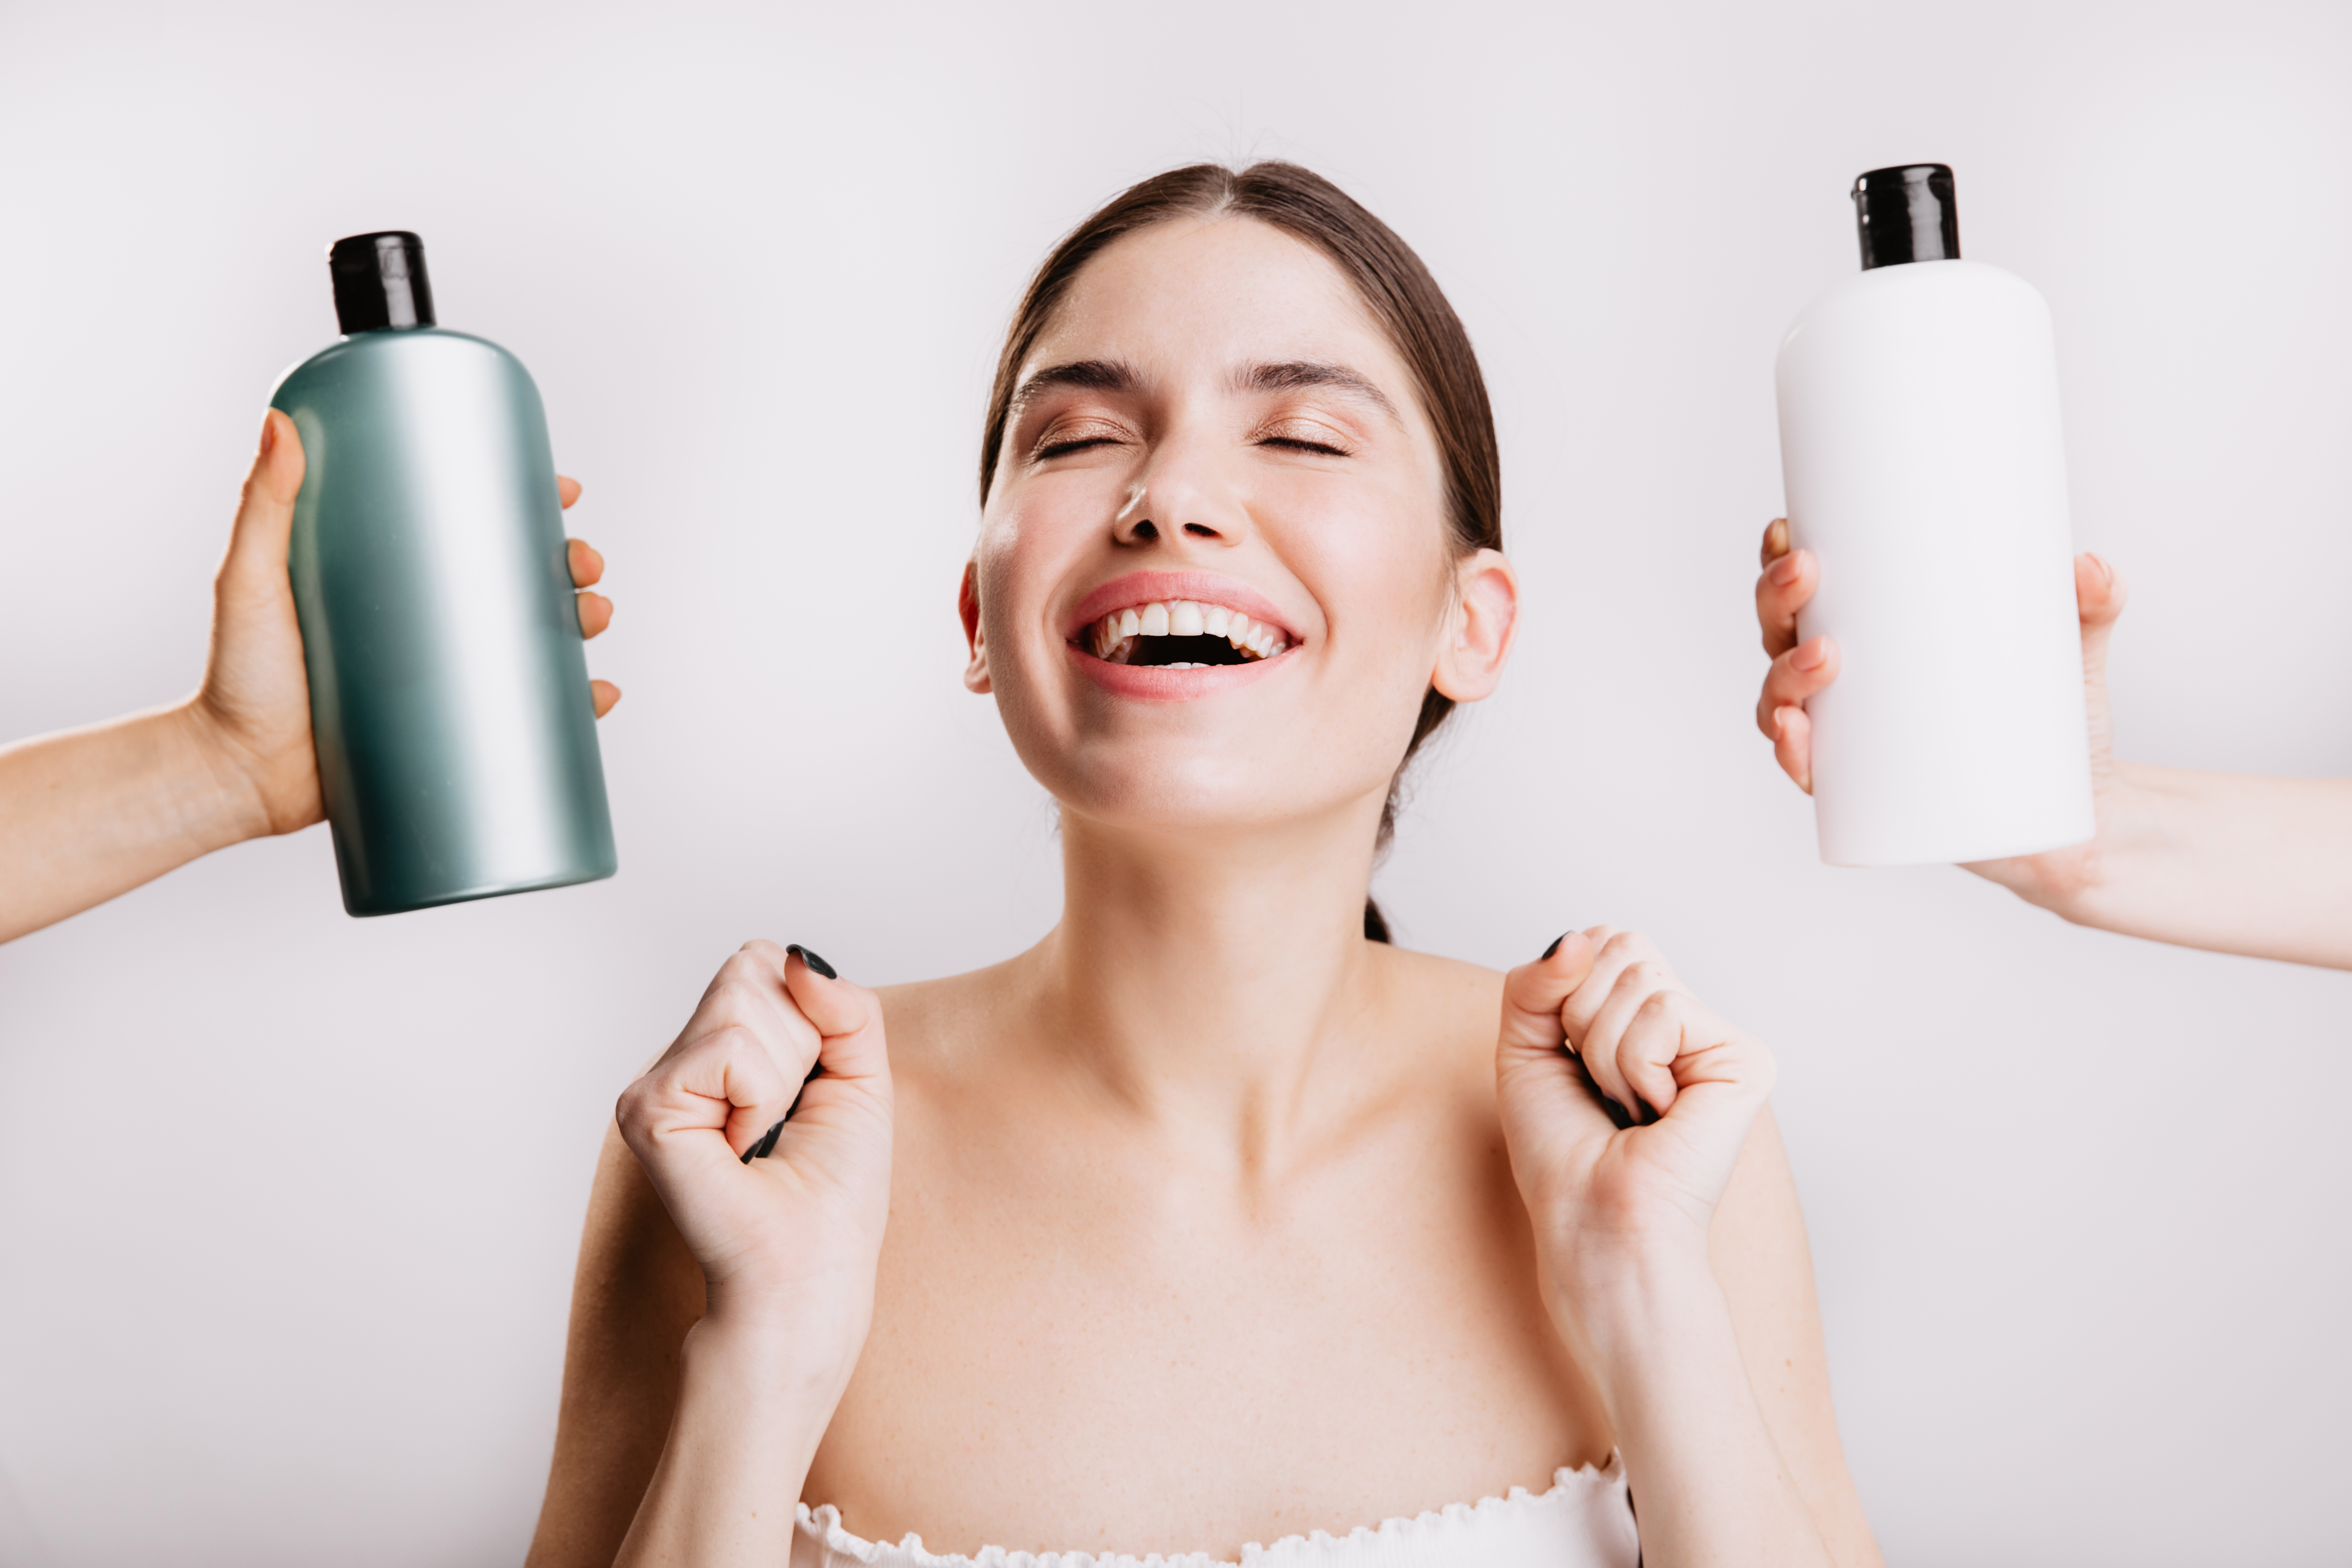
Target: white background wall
{"x": 289, "y": 1202}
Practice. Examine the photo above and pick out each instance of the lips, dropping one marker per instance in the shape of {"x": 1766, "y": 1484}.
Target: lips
{"x": 1180, "y": 633}
{"x": 1137, "y": 589}
{"x": 1177, "y": 635}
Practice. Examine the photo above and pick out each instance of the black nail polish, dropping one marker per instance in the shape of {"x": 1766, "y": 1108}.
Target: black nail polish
{"x": 767, "y": 1144}
{"x": 1553, "y": 948}
{"x": 814, "y": 962}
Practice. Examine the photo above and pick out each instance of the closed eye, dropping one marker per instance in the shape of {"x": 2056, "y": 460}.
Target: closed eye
{"x": 1076, "y": 432}
{"x": 1299, "y": 433}
{"x": 1300, "y": 443}
{"x": 1076, "y": 444}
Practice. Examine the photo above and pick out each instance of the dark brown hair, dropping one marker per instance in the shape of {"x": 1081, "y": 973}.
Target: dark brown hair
{"x": 1395, "y": 286}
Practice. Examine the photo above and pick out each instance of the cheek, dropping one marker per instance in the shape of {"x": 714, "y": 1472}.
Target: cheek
{"x": 1380, "y": 567}
{"x": 1019, "y": 553}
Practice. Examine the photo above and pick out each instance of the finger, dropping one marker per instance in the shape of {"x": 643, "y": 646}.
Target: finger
{"x": 1793, "y": 745}
{"x": 1532, "y": 993}
{"x": 1647, "y": 1047}
{"x": 1785, "y": 587}
{"x": 567, "y": 489}
{"x": 1604, "y": 1039}
{"x": 264, "y": 508}
{"x": 2099, "y": 595}
{"x": 1795, "y": 678}
{"x": 844, "y": 1015}
{"x": 587, "y": 565}
{"x": 1776, "y": 542}
{"x": 725, "y": 1083}
{"x": 748, "y": 992}
{"x": 604, "y": 694}
{"x": 1715, "y": 1070}
{"x": 596, "y": 612}
{"x": 1619, "y": 951}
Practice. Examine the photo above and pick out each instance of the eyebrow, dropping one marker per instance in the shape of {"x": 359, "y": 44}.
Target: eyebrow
{"x": 1290, "y": 374}
{"x": 1094, "y": 374}
{"x": 1116, "y": 375}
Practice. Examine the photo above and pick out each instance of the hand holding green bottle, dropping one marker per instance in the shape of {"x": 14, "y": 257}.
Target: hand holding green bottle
{"x": 91, "y": 813}
{"x": 254, "y": 701}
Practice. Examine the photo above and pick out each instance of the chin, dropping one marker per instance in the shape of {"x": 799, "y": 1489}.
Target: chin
{"x": 1162, "y": 787}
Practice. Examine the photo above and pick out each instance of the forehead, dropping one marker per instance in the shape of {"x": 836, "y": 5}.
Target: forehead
{"x": 1221, "y": 291}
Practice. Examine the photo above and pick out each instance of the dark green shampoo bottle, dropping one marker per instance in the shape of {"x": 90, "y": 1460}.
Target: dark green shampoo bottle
{"x": 456, "y": 735}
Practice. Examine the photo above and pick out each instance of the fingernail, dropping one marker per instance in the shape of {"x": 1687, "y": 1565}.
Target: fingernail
{"x": 812, "y": 961}
{"x": 815, "y": 1073}
{"x": 2101, "y": 563}
{"x": 1784, "y": 570}
{"x": 1810, "y": 655}
{"x": 1554, "y": 947}
{"x": 268, "y": 433}
{"x": 767, "y": 1144}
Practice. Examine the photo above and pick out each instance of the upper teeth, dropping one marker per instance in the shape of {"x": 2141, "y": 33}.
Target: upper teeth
{"x": 1112, "y": 638}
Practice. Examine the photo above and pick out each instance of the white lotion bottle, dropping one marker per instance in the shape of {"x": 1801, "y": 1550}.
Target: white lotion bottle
{"x": 1924, "y": 469}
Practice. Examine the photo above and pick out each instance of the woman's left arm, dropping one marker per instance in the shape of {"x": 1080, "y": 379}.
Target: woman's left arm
{"x": 1757, "y": 1247}
{"x": 1673, "y": 1257}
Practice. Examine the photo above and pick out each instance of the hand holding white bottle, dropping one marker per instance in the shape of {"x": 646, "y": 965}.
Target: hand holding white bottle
{"x": 1919, "y": 405}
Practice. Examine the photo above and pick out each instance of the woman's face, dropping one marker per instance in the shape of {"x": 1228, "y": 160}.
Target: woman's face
{"x": 1213, "y": 427}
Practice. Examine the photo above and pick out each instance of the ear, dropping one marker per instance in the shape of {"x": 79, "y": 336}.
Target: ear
{"x": 1479, "y": 627}
{"x": 975, "y": 673}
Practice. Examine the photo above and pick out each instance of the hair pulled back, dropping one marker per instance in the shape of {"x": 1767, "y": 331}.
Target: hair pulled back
{"x": 1395, "y": 286}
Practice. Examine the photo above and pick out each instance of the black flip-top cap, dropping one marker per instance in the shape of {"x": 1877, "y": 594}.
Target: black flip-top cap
{"x": 380, "y": 281}
{"x": 1906, "y": 214}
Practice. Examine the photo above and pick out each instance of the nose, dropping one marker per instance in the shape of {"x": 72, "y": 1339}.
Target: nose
{"x": 1183, "y": 495}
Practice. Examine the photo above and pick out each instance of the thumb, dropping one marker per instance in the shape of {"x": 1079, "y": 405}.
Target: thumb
{"x": 265, "y": 510}
{"x": 1534, "y": 992}
{"x": 844, "y": 1015}
{"x": 2099, "y": 596}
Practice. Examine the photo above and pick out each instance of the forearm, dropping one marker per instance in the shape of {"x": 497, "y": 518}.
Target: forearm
{"x": 1708, "y": 1482}
{"x": 93, "y": 813}
{"x": 2231, "y": 862}
{"x": 727, "y": 1492}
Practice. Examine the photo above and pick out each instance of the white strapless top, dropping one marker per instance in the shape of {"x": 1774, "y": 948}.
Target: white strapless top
{"x": 1586, "y": 1521}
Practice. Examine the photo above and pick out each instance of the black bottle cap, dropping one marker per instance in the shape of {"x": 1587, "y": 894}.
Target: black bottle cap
{"x": 380, "y": 281}
{"x": 1906, "y": 214}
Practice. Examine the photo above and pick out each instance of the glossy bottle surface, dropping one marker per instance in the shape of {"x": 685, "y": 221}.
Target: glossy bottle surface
{"x": 1925, "y": 470}
{"x": 456, "y": 735}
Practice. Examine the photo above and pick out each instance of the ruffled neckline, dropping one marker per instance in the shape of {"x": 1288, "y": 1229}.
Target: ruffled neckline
{"x": 1568, "y": 1484}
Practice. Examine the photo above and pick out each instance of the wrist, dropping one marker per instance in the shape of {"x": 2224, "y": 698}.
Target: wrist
{"x": 213, "y": 800}
{"x": 1622, "y": 1304}
{"x": 808, "y": 1350}
{"x": 221, "y": 803}
{"x": 2071, "y": 881}
{"x": 791, "y": 1382}
{"x": 2132, "y": 811}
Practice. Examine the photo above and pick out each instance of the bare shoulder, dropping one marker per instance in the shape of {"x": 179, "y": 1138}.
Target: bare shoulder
{"x": 935, "y": 1025}
{"x": 1444, "y": 1004}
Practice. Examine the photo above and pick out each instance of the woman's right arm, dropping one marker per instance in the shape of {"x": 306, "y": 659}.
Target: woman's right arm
{"x": 635, "y": 1294}
{"x": 723, "y": 1299}
{"x": 2229, "y": 862}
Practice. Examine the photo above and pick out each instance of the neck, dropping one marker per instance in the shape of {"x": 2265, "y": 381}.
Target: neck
{"x": 1203, "y": 981}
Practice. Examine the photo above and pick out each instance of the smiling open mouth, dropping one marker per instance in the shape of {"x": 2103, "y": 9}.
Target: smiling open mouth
{"x": 1181, "y": 634}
